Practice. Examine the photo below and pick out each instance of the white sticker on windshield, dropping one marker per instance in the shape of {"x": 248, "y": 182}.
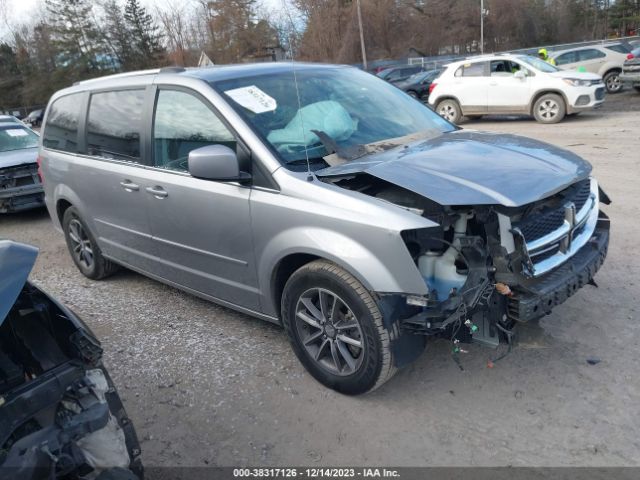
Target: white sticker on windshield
{"x": 254, "y": 99}
{"x": 16, "y": 132}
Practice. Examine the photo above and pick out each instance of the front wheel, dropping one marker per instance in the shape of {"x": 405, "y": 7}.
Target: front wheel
{"x": 549, "y": 108}
{"x": 612, "y": 82}
{"x": 335, "y": 329}
{"x": 449, "y": 110}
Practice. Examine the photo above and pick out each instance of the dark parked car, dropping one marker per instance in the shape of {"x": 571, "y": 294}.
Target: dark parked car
{"x": 60, "y": 415}
{"x": 398, "y": 74}
{"x": 417, "y": 85}
{"x": 20, "y": 186}
{"x": 35, "y": 118}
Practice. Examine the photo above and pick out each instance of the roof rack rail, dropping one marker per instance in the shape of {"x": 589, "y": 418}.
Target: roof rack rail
{"x": 152, "y": 71}
{"x": 172, "y": 69}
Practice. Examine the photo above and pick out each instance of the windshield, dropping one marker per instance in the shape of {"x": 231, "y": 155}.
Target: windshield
{"x": 345, "y": 107}
{"x": 538, "y": 64}
{"x": 16, "y": 138}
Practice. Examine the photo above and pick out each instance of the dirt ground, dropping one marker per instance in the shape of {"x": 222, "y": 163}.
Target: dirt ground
{"x": 207, "y": 386}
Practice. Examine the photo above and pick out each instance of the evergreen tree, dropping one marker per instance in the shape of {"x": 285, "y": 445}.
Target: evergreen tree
{"x": 147, "y": 50}
{"x": 117, "y": 35}
{"x": 80, "y": 50}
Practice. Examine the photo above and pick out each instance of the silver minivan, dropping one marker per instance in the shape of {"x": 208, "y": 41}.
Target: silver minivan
{"x": 324, "y": 199}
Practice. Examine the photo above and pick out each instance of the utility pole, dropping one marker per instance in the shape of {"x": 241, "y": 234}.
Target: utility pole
{"x": 481, "y": 27}
{"x": 364, "y": 53}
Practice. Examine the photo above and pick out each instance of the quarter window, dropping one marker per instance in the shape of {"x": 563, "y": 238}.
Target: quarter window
{"x": 619, "y": 48}
{"x": 471, "y": 70}
{"x": 114, "y": 125}
{"x": 183, "y": 123}
{"x": 61, "y": 129}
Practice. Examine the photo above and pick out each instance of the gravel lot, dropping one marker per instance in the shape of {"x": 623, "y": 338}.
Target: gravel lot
{"x": 207, "y": 386}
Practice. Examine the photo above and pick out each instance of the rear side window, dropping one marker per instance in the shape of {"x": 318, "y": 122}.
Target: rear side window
{"x": 181, "y": 124}
{"x": 114, "y": 125}
{"x": 471, "y": 70}
{"x": 61, "y": 129}
{"x": 618, "y": 48}
{"x": 590, "y": 54}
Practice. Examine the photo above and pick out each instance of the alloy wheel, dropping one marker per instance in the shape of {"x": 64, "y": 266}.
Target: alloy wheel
{"x": 613, "y": 83}
{"x": 548, "y": 109}
{"x": 448, "y": 112}
{"x": 329, "y": 331}
{"x": 81, "y": 245}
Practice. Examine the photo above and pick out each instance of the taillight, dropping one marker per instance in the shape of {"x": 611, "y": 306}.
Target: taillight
{"x": 39, "y": 162}
{"x": 630, "y": 56}
{"x": 431, "y": 87}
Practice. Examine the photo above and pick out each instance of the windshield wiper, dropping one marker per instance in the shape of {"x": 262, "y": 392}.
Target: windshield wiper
{"x": 303, "y": 161}
{"x": 346, "y": 153}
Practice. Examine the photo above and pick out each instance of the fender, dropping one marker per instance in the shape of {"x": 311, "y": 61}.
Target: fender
{"x": 398, "y": 275}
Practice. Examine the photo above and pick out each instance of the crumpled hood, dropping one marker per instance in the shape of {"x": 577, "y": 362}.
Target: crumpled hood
{"x": 16, "y": 261}
{"x": 466, "y": 167}
{"x": 18, "y": 157}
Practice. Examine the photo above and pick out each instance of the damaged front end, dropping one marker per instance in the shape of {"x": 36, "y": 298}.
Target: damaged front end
{"x": 488, "y": 267}
{"x": 60, "y": 415}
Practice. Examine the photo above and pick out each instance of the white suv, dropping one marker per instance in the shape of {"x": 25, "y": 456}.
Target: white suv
{"x": 513, "y": 84}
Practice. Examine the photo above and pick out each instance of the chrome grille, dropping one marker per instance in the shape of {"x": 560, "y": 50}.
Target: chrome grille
{"x": 553, "y": 236}
{"x": 550, "y": 220}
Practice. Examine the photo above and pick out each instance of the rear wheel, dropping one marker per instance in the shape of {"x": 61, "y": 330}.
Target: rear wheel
{"x": 335, "y": 329}
{"x": 612, "y": 82}
{"x": 413, "y": 94}
{"x": 83, "y": 247}
{"x": 449, "y": 110}
{"x": 549, "y": 108}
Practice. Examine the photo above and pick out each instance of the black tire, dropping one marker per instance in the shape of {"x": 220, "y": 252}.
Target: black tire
{"x": 637, "y": 89}
{"x": 83, "y": 248}
{"x": 371, "y": 364}
{"x": 473, "y": 117}
{"x": 612, "y": 82}
{"x": 549, "y": 108}
{"x": 413, "y": 94}
{"x": 450, "y": 110}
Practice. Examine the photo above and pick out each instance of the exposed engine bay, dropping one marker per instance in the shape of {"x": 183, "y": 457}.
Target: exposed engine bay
{"x": 60, "y": 415}
{"x": 489, "y": 267}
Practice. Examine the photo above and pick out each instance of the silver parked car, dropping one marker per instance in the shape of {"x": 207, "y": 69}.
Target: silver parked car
{"x": 324, "y": 199}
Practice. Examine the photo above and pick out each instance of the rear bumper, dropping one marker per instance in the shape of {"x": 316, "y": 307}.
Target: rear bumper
{"x": 537, "y": 297}
{"x": 630, "y": 77}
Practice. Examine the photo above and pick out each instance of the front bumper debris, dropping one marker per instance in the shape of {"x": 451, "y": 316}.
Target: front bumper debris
{"x": 20, "y": 188}
{"x": 537, "y": 297}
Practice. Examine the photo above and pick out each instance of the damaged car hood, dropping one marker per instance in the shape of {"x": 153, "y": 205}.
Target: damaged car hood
{"x": 16, "y": 261}
{"x": 465, "y": 167}
{"x": 14, "y": 158}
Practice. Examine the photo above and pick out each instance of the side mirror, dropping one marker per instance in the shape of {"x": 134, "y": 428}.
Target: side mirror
{"x": 216, "y": 162}
{"x": 521, "y": 74}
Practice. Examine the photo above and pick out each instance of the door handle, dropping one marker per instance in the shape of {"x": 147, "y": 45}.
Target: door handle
{"x": 129, "y": 186}
{"x": 157, "y": 191}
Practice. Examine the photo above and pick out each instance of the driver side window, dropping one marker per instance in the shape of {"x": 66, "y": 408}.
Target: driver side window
{"x": 182, "y": 123}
